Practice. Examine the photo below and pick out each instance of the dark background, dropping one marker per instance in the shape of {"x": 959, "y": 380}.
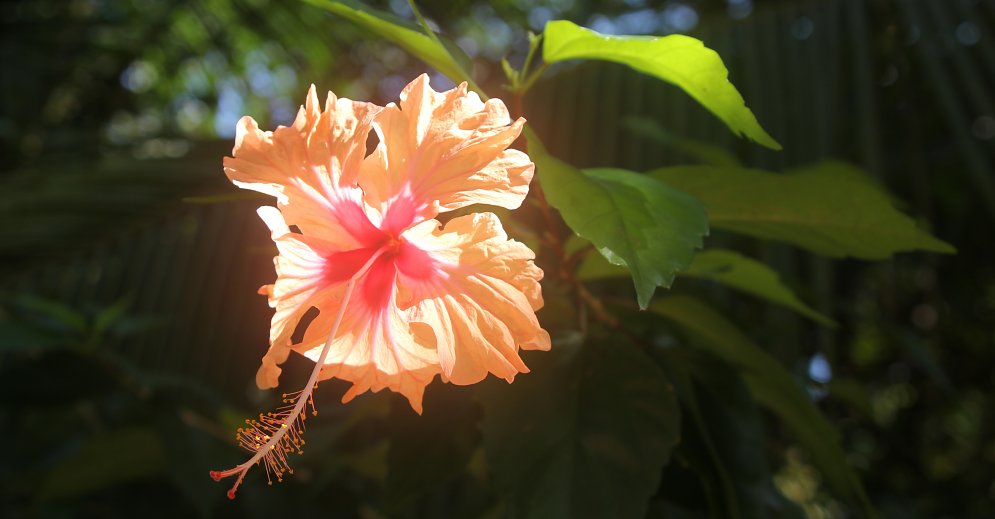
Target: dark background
{"x": 130, "y": 329}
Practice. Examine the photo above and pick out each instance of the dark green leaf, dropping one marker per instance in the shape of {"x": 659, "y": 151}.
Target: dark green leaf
{"x": 428, "y": 450}
{"x": 726, "y": 267}
{"x": 586, "y": 434}
{"x": 105, "y": 461}
{"x": 632, "y": 219}
{"x": 698, "y": 451}
{"x": 190, "y": 453}
{"x": 58, "y": 314}
{"x": 17, "y": 337}
{"x": 742, "y": 273}
{"x": 728, "y": 423}
{"x": 109, "y": 316}
{"x": 701, "y": 151}
{"x": 677, "y": 59}
{"x": 772, "y": 386}
{"x": 406, "y": 35}
{"x": 830, "y": 208}
{"x": 49, "y": 211}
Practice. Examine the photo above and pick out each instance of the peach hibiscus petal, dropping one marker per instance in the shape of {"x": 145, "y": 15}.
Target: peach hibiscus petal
{"x": 375, "y": 350}
{"x": 310, "y": 166}
{"x": 300, "y": 284}
{"x": 374, "y": 346}
{"x": 479, "y": 301}
{"x": 440, "y": 151}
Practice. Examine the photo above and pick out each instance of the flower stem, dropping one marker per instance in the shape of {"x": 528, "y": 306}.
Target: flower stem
{"x": 532, "y": 78}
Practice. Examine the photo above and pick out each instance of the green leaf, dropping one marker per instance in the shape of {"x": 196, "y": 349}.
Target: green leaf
{"x": 19, "y": 337}
{"x": 737, "y": 271}
{"x": 586, "y": 434}
{"x": 701, "y": 151}
{"x": 677, "y": 59}
{"x": 446, "y": 57}
{"x": 58, "y": 314}
{"x": 111, "y": 315}
{"x": 726, "y": 441}
{"x": 632, "y": 219}
{"x": 428, "y": 450}
{"x": 830, "y": 208}
{"x": 721, "y": 266}
{"x": 106, "y": 461}
{"x": 188, "y": 449}
{"x": 773, "y": 386}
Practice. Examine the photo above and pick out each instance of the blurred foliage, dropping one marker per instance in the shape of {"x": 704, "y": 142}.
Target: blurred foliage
{"x": 131, "y": 329}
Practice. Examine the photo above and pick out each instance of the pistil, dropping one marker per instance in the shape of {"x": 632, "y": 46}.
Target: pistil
{"x": 277, "y": 434}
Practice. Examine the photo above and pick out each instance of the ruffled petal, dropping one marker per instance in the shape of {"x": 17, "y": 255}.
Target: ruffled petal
{"x": 375, "y": 347}
{"x": 442, "y": 151}
{"x": 310, "y": 273}
{"x": 479, "y": 300}
{"x": 298, "y": 286}
{"x": 311, "y": 167}
{"x": 377, "y": 351}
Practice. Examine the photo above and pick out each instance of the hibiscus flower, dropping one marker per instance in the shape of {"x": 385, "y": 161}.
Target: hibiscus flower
{"x": 400, "y": 297}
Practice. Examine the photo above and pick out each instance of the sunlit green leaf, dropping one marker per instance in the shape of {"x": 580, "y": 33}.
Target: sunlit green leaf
{"x": 735, "y": 270}
{"x": 773, "y": 386}
{"x": 677, "y": 59}
{"x": 584, "y": 435}
{"x": 830, "y": 208}
{"x": 406, "y": 35}
{"x": 632, "y": 219}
